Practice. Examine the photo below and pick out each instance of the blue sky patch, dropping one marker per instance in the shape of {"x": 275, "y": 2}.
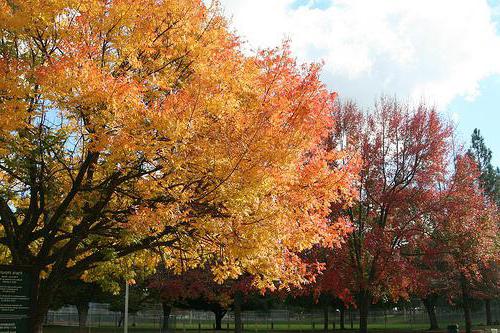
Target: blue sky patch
{"x": 483, "y": 112}
{"x": 318, "y": 4}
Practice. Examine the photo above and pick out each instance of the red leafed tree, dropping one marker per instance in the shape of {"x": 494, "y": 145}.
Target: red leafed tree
{"x": 403, "y": 150}
{"x": 197, "y": 289}
{"x": 323, "y": 289}
{"x": 195, "y": 285}
{"x": 489, "y": 287}
{"x": 429, "y": 280}
{"x": 465, "y": 232}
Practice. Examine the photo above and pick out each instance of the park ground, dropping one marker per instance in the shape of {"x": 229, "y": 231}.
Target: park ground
{"x": 256, "y": 328}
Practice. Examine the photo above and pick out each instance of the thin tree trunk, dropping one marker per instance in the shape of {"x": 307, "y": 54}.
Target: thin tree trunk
{"x": 167, "y": 309}
{"x": 237, "y": 312}
{"x": 487, "y": 305}
{"x": 342, "y": 317}
{"x": 351, "y": 319}
{"x": 364, "y": 301}
{"x": 467, "y": 317}
{"x": 218, "y": 321}
{"x": 430, "y": 306}
{"x": 325, "y": 318}
{"x": 83, "y": 311}
{"x": 120, "y": 319}
{"x": 466, "y": 306}
{"x": 219, "y": 314}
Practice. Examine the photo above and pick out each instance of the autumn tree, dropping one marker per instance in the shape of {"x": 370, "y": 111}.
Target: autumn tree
{"x": 168, "y": 288}
{"x": 403, "y": 150}
{"x": 429, "y": 274}
{"x": 139, "y": 128}
{"x": 325, "y": 289}
{"x": 429, "y": 281}
{"x": 447, "y": 261}
{"x": 195, "y": 289}
{"x": 488, "y": 287}
{"x": 490, "y": 183}
{"x": 334, "y": 286}
{"x": 465, "y": 234}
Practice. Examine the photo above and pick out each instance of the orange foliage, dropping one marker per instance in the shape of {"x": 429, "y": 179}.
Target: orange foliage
{"x": 144, "y": 127}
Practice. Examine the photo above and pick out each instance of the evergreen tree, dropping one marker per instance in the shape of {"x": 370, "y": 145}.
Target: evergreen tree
{"x": 490, "y": 177}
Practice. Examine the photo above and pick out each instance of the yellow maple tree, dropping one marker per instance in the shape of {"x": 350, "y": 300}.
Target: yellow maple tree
{"x": 138, "y": 127}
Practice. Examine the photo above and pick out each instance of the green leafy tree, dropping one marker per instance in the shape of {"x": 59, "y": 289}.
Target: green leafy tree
{"x": 80, "y": 294}
{"x": 139, "y": 298}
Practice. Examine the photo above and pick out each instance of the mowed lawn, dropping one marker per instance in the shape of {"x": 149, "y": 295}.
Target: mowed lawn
{"x": 253, "y": 328}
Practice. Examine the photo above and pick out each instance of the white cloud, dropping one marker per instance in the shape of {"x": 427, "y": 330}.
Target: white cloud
{"x": 432, "y": 49}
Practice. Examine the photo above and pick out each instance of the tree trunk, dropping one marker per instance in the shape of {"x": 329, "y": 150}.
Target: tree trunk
{"x": 37, "y": 327}
{"x": 38, "y": 315}
{"x": 466, "y": 305}
{"x": 167, "y": 309}
{"x": 83, "y": 311}
{"x": 121, "y": 319}
{"x": 487, "y": 305}
{"x": 342, "y": 317}
{"x": 219, "y": 314}
{"x": 430, "y": 306}
{"x": 238, "y": 299}
{"x": 364, "y": 301}
{"x": 467, "y": 317}
{"x": 43, "y": 293}
{"x": 325, "y": 318}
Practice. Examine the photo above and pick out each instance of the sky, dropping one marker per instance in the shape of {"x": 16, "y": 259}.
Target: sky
{"x": 446, "y": 52}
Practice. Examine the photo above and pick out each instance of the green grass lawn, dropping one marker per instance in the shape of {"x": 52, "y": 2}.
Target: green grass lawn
{"x": 252, "y": 328}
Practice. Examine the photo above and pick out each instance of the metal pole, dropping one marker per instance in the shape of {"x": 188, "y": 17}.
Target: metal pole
{"x": 125, "y": 315}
